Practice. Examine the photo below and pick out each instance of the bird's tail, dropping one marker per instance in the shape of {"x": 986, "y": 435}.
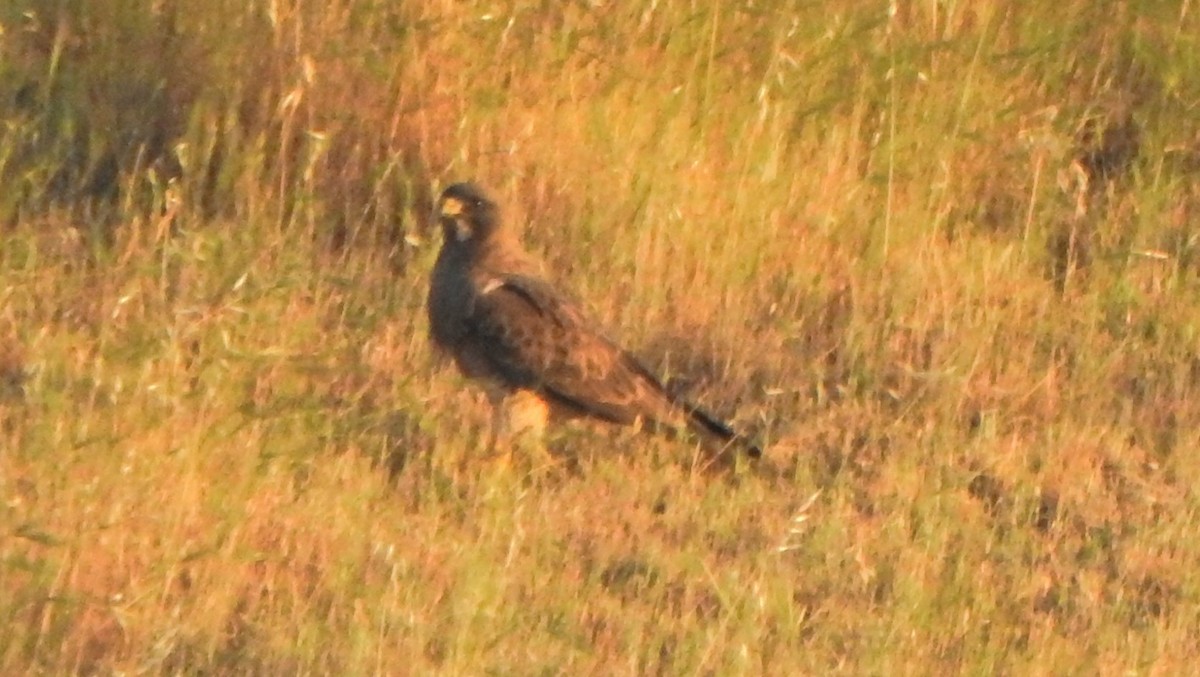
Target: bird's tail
{"x": 709, "y": 425}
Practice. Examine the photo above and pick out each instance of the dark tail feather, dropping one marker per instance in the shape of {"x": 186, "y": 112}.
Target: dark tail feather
{"x": 708, "y": 424}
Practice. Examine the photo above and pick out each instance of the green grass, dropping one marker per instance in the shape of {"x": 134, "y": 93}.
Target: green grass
{"x": 941, "y": 259}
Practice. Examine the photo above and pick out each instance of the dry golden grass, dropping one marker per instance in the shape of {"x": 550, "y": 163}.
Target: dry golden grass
{"x": 941, "y": 257}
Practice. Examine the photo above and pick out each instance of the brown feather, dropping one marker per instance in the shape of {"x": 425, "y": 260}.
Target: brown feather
{"x": 502, "y": 321}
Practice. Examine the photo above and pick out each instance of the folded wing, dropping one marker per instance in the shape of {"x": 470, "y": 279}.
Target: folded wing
{"x": 530, "y": 336}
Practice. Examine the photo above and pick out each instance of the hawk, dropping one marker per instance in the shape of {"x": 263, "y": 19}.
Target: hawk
{"x": 506, "y": 325}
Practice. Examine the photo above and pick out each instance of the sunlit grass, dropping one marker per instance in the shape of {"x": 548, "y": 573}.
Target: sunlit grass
{"x": 938, "y": 256}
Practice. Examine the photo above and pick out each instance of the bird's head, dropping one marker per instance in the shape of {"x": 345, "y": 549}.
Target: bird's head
{"x": 467, "y": 214}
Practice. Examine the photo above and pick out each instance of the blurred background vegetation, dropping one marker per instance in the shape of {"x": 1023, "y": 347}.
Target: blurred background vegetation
{"x": 941, "y": 256}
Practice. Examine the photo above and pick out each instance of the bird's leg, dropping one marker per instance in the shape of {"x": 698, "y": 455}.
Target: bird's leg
{"x": 523, "y": 425}
{"x": 499, "y": 450}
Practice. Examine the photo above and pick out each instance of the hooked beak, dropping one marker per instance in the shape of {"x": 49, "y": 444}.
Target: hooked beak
{"x": 452, "y": 209}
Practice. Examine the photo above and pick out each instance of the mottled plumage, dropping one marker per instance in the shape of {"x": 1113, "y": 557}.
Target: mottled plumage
{"x": 490, "y": 308}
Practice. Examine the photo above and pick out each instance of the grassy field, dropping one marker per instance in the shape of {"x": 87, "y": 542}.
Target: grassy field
{"x": 942, "y": 258}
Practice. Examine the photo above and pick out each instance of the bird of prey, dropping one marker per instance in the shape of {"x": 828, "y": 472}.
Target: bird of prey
{"x": 506, "y": 325}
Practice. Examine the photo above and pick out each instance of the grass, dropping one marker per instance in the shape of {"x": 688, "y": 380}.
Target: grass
{"x": 940, "y": 257}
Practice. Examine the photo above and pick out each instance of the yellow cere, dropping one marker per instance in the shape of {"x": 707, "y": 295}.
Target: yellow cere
{"x": 452, "y": 207}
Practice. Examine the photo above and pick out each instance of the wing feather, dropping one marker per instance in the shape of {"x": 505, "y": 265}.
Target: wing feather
{"x": 533, "y": 337}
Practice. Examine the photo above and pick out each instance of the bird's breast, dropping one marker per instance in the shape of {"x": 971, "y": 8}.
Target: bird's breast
{"x": 449, "y": 301}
